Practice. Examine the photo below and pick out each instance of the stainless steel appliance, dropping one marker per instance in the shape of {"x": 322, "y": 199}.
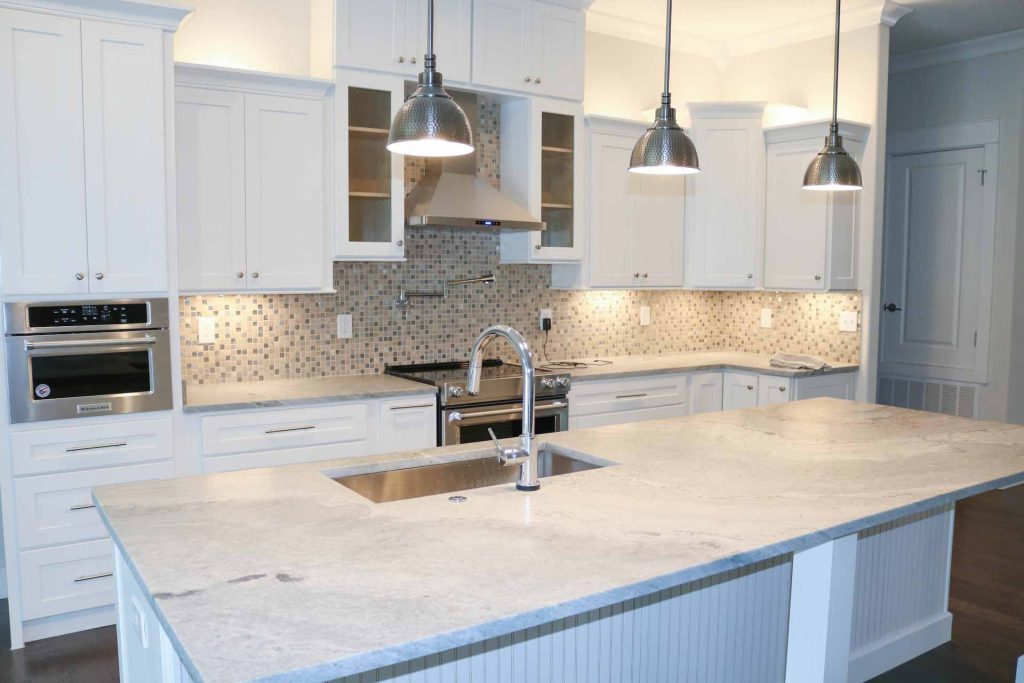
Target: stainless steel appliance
{"x": 82, "y": 358}
{"x": 465, "y": 418}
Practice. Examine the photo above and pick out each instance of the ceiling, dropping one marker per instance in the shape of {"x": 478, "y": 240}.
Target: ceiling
{"x": 724, "y": 29}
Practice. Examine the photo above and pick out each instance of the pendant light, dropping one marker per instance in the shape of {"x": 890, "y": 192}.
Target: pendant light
{"x": 833, "y": 169}
{"x": 430, "y": 123}
{"x": 664, "y": 149}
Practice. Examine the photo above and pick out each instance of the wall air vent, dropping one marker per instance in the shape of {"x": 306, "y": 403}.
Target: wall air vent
{"x": 948, "y": 398}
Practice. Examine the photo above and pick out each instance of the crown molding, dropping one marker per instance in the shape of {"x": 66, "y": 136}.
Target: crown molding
{"x": 167, "y": 16}
{"x": 247, "y": 80}
{"x": 968, "y": 49}
{"x": 870, "y": 13}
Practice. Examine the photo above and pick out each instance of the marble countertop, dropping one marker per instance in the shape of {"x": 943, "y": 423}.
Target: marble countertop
{"x": 695, "y": 361}
{"x": 294, "y": 392}
{"x": 281, "y": 574}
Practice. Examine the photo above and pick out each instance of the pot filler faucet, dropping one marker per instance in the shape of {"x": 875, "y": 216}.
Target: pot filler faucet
{"x": 525, "y": 454}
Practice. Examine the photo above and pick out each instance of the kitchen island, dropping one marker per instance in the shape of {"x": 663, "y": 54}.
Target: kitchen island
{"x": 766, "y": 544}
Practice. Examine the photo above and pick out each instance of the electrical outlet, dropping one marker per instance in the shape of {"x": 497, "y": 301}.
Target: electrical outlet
{"x": 545, "y": 314}
{"x": 645, "y": 316}
{"x": 766, "y": 317}
{"x": 344, "y": 326}
{"x": 848, "y": 321}
{"x": 207, "y": 330}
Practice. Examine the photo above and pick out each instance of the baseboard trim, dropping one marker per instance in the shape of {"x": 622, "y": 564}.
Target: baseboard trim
{"x": 62, "y": 624}
{"x": 3, "y": 582}
{"x": 900, "y": 647}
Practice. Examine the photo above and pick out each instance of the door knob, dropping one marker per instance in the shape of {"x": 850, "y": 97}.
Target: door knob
{"x": 892, "y": 308}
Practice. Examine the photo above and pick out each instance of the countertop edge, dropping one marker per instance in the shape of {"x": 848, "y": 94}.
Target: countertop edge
{"x": 711, "y": 367}
{"x": 426, "y": 390}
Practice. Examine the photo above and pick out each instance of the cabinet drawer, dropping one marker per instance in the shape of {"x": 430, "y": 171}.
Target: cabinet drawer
{"x": 37, "y": 451}
{"x": 67, "y": 578}
{"x": 285, "y": 456}
{"x": 407, "y": 424}
{"x": 58, "y": 508}
{"x": 593, "y": 398}
{"x": 286, "y": 428}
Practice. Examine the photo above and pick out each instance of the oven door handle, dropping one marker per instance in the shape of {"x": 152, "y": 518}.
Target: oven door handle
{"x": 456, "y": 416}
{"x": 87, "y": 343}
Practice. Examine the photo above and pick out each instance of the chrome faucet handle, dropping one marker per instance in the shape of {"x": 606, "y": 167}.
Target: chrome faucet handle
{"x": 513, "y": 455}
{"x": 497, "y": 444}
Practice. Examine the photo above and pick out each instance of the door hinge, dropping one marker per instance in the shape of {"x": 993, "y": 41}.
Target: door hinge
{"x": 982, "y": 171}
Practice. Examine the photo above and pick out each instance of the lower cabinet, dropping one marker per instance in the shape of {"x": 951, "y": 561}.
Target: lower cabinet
{"x": 608, "y": 402}
{"x": 740, "y": 390}
{"x": 407, "y": 424}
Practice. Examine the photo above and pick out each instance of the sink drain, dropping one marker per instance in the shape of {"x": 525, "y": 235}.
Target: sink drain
{"x": 457, "y": 499}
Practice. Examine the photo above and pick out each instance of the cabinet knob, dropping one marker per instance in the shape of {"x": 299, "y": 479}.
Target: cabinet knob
{"x": 412, "y": 60}
{"x": 401, "y": 60}
{"x": 782, "y": 388}
{"x": 79, "y": 276}
{"x": 636, "y": 274}
{"x": 750, "y": 276}
{"x": 817, "y": 277}
{"x": 99, "y": 276}
{"x": 750, "y": 387}
{"x": 400, "y": 243}
{"x": 537, "y": 247}
{"x": 255, "y": 275}
{"x": 527, "y": 79}
{"x": 645, "y": 276}
{"x": 240, "y": 274}
{"x": 537, "y": 80}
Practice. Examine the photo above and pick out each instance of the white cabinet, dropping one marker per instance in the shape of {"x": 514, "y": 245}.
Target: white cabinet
{"x": 82, "y": 158}
{"x": 772, "y": 390}
{"x": 598, "y": 403}
{"x": 370, "y": 192}
{"x": 542, "y": 169}
{"x": 529, "y": 46}
{"x": 407, "y": 424}
{"x": 251, "y": 177}
{"x": 705, "y": 392}
{"x": 810, "y": 237}
{"x": 391, "y": 35}
{"x": 739, "y": 390}
{"x": 725, "y": 201}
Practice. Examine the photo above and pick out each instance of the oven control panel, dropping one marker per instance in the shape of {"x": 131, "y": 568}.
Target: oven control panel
{"x": 85, "y": 315}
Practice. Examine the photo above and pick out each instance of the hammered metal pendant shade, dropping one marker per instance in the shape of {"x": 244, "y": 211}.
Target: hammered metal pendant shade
{"x": 833, "y": 169}
{"x": 664, "y": 149}
{"x": 430, "y": 124}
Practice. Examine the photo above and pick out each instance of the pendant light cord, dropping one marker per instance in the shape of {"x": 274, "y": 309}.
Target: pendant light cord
{"x": 430, "y": 30}
{"x": 666, "y": 96}
{"x": 835, "y": 76}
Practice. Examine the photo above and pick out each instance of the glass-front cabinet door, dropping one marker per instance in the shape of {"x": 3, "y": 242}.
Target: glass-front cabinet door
{"x": 370, "y": 196}
{"x": 542, "y": 167}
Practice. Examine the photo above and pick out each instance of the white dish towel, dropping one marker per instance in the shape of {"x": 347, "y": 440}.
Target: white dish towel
{"x": 796, "y": 361}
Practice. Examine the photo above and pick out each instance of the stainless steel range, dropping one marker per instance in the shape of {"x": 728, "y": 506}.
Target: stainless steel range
{"x": 465, "y": 418}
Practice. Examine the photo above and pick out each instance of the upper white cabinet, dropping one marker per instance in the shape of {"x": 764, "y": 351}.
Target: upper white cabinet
{"x": 635, "y": 236}
{"x": 530, "y": 46}
{"x": 810, "y": 237}
{"x": 83, "y": 155}
{"x": 725, "y": 201}
{"x": 542, "y": 169}
{"x": 391, "y": 35}
{"x": 250, "y": 181}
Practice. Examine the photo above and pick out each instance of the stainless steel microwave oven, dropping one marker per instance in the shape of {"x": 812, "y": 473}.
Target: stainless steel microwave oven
{"x": 83, "y": 358}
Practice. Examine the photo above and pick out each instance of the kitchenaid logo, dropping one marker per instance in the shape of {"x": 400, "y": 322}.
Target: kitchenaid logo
{"x": 88, "y": 408}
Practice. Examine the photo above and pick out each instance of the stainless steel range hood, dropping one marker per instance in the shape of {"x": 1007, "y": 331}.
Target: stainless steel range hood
{"x": 452, "y": 195}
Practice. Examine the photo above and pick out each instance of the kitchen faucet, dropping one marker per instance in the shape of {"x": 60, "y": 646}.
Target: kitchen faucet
{"x": 525, "y": 454}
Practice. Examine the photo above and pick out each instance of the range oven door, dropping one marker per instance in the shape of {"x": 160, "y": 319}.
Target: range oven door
{"x": 470, "y": 424}
{"x": 57, "y": 376}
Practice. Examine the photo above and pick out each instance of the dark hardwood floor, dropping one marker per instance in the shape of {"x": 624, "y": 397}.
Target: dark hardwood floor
{"x": 986, "y": 598}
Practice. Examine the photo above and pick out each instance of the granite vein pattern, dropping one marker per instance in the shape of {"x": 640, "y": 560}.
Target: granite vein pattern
{"x": 280, "y": 574}
{"x": 292, "y": 392}
{"x": 696, "y": 361}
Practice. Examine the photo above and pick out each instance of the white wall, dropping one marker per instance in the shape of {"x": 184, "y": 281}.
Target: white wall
{"x": 985, "y": 88}
{"x": 265, "y": 35}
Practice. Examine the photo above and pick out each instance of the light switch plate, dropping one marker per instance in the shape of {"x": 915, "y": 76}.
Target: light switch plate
{"x": 207, "y": 330}
{"x": 848, "y": 321}
{"x": 645, "y": 316}
{"x": 344, "y": 326}
{"x": 766, "y": 317}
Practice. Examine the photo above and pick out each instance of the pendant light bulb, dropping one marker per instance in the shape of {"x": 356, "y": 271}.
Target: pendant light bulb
{"x": 430, "y": 123}
{"x": 664, "y": 148}
{"x": 834, "y": 170}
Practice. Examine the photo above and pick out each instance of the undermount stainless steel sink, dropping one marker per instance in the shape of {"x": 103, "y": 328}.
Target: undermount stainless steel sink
{"x": 429, "y": 480}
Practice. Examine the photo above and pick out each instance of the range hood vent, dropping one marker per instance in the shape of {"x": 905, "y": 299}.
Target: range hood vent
{"x": 464, "y": 200}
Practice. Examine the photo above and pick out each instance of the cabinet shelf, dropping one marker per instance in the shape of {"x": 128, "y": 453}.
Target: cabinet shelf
{"x": 370, "y": 195}
{"x": 366, "y": 130}
{"x": 548, "y": 205}
{"x": 557, "y": 150}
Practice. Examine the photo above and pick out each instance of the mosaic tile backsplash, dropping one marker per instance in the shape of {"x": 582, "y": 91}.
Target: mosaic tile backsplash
{"x": 291, "y": 336}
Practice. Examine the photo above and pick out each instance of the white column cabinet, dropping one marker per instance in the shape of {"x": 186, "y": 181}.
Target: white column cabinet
{"x": 810, "y": 237}
{"x": 725, "y": 201}
{"x": 83, "y": 162}
{"x": 739, "y": 390}
{"x": 251, "y": 182}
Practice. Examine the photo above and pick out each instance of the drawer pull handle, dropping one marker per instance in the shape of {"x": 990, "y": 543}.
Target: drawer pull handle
{"x": 631, "y": 395}
{"x": 83, "y": 506}
{"x": 281, "y": 430}
{"x": 93, "y": 577}
{"x": 418, "y": 405}
{"x": 76, "y": 449}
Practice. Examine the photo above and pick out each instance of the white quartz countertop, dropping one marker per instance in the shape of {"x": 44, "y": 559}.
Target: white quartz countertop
{"x": 280, "y": 574}
{"x": 694, "y": 361}
{"x": 310, "y": 391}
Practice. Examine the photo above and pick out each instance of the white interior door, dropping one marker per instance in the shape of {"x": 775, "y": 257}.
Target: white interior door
{"x": 934, "y": 260}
